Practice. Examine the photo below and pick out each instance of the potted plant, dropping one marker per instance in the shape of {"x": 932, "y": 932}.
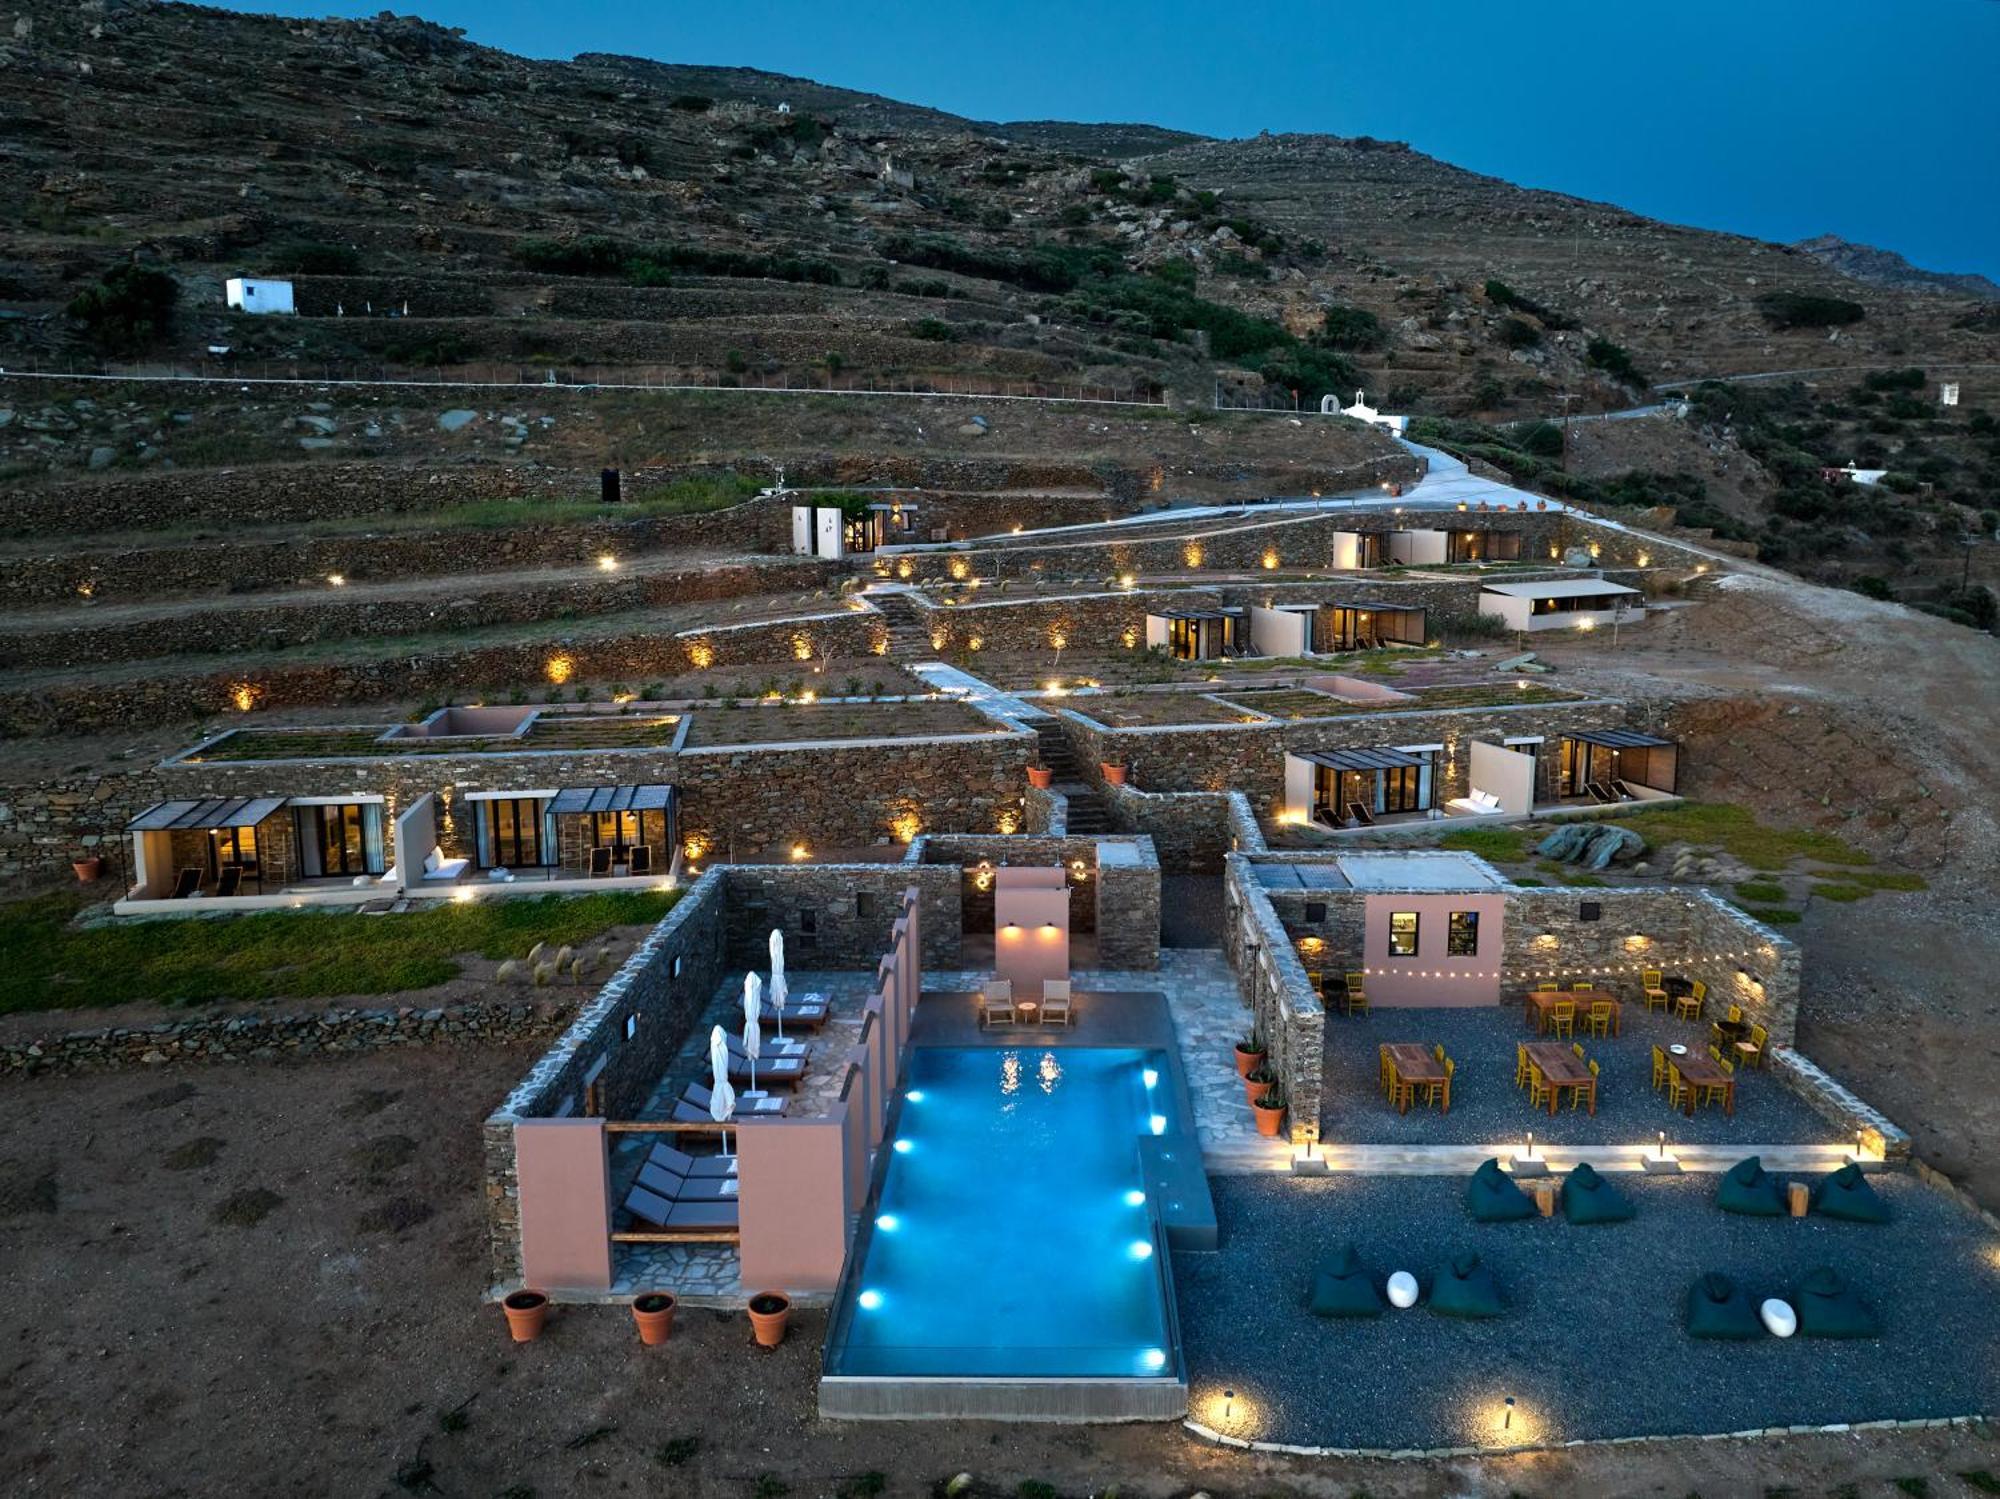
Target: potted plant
{"x": 769, "y": 1312}
{"x": 88, "y": 868}
{"x": 1270, "y": 1110}
{"x": 1114, "y": 775}
{"x": 1249, "y": 1054}
{"x": 654, "y": 1313}
{"x": 1041, "y": 777}
{"x": 526, "y": 1311}
{"x": 1259, "y": 1079}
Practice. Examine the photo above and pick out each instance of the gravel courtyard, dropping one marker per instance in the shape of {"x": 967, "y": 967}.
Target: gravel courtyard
{"x": 1592, "y": 1345}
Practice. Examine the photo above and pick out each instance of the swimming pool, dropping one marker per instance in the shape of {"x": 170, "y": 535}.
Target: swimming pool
{"x": 1013, "y": 1237}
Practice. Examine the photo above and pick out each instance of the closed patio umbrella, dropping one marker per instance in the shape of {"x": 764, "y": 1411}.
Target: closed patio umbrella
{"x": 752, "y": 1037}
{"x": 779, "y": 990}
{"x": 721, "y": 1097}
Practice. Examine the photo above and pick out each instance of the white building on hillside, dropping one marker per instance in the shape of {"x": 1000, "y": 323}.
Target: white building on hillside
{"x": 1361, "y": 411}
{"x": 255, "y": 294}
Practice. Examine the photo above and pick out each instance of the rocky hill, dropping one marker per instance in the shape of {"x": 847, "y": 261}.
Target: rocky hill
{"x": 442, "y": 203}
{"x": 1875, "y": 267}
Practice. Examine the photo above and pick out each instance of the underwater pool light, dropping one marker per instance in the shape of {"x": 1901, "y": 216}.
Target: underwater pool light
{"x": 888, "y": 1223}
{"x": 902, "y": 1147}
{"x": 915, "y": 1095}
{"x": 1153, "y": 1359}
{"x": 1135, "y": 1198}
{"x": 869, "y": 1300}
{"x": 1150, "y": 1078}
{"x": 1141, "y": 1249}
{"x": 1159, "y": 1124}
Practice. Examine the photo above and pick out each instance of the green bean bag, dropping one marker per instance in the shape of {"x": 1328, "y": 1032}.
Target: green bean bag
{"x": 1748, "y": 1188}
{"x": 1589, "y": 1198}
{"x": 1827, "y": 1308}
{"x": 1846, "y": 1194}
{"x": 1345, "y": 1288}
{"x": 1717, "y": 1309}
{"x": 1492, "y": 1197}
{"x": 1466, "y": 1288}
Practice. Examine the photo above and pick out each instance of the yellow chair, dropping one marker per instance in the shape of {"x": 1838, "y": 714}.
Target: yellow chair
{"x": 1520, "y": 1064}
{"x": 1582, "y": 988}
{"x": 1659, "y": 1068}
{"x": 1440, "y": 1093}
{"x": 1736, "y": 1014}
{"x": 1547, "y": 986}
{"x": 1678, "y": 1090}
{"x": 1653, "y": 981}
{"x": 1317, "y": 980}
{"x": 1759, "y": 1046}
{"x": 1598, "y": 1020}
{"x": 1386, "y": 1068}
{"x": 1576, "y": 1094}
{"x": 1688, "y": 1005}
{"x": 1538, "y": 1088}
{"x": 1577, "y": 1048}
{"x": 1357, "y": 995}
{"x": 1562, "y": 1018}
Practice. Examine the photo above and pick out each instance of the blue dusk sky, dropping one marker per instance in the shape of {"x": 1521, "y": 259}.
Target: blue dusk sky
{"x": 1877, "y": 120}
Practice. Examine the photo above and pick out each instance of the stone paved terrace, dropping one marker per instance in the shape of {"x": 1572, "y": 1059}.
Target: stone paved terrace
{"x": 1486, "y": 1108}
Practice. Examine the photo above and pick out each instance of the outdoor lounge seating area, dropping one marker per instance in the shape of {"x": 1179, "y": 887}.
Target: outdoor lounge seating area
{"x": 1567, "y": 1313}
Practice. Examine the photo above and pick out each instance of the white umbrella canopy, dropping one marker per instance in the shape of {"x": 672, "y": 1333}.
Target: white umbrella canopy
{"x": 752, "y": 1037}
{"x": 721, "y": 1096}
{"x": 779, "y": 990}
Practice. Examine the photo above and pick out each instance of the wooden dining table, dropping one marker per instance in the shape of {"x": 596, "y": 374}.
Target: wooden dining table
{"x": 1418, "y": 1066}
{"x": 1562, "y": 1068}
{"x": 1700, "y": 1070}
{"x": 1541, "y": 1003}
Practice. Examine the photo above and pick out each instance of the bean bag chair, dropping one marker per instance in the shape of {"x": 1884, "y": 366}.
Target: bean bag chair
{"x": 1492, "y": 1197}
{"x": 1465, "y": 1288}
{"x": 1716, "y": 1309}
{"x": 1827, "y": 1308}
{"x": 1345, "y": 1288}
{"x": 1846, "y": 1194}
{"x": 1748, "y": 1188}
{"x": 1589, "y": 1198}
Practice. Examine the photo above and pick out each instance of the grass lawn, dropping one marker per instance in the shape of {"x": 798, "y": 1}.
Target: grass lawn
{"x": 45, "y": 964}
{"x": 1506, "y": 844}
{"x": 1734, "y": 830}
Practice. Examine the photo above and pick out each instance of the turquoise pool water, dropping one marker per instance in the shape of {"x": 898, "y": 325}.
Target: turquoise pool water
{"x": 1013, "y": 1236}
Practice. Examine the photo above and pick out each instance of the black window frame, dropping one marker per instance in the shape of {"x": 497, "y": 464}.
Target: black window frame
{"x": 1416, "y": 934}
{"x": 1458, "y": 924}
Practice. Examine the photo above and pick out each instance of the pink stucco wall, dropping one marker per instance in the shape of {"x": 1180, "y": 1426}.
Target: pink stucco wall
{"x": 1431, "y": 977}
{"x": 565, "y": 1204}
{"x": 1030, "y": 928}
{"x": 792, "y": 1202}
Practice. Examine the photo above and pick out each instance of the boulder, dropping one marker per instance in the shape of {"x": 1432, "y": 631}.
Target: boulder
{"x": 1609, "y": 844}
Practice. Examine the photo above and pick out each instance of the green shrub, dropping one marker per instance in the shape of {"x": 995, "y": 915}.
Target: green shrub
{"x": 694, "y": 104}
{"x": 130, "y": 308}
{"x": 1353, "y": 328}
{"x": 1516, "y": 334}
{"x": 1614, "y": 360}
{"x": 935, "y": 330}
{"x": 1797, "y": 309}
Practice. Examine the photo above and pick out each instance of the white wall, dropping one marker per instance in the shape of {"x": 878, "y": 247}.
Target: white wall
{"x": 1504, "y": 773}
{"x": 1278, "y": 632}
{"x": 1513, "y": 612}
{"x": 1298, "y": 786}
{"x": 1417, "y": 548}
{"x": 254, "y": 295}
{"x": 830, "y": 523}
{"x": 416, "y": 836}
{"x": 1346, "y": 550}
{"x": 1156, "y": 632}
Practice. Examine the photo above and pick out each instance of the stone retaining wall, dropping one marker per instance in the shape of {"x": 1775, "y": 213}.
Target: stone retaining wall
{"x": 839, "y": 915}
{"x": 1286, "y": 1013}
{"x": 1118, "y": 901}
{"x": 337, "y": 614}
{"x": 1833, "y": 1102}
{"x": 263, "y": 1038}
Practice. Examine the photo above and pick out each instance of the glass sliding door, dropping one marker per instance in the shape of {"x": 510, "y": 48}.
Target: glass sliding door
{"x": 340, "y": 839}
{"x": 512, "y": 834}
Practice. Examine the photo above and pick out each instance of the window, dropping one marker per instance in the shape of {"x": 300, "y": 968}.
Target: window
{"x": 1462, "y": 935}
{"x": 1316, "y": 913}
{"x": 1590, "y": 910}
{"x": 1402, "y": 934}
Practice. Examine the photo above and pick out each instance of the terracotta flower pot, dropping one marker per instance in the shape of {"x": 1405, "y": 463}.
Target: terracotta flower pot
{"x": 1114, "y": 775}
{"x": 526, "y": 1311}
{"x": 1041, "y": 777}
{"x": 1255, "y": 1087}
{"x": 1247, "y": 1062}
{"x": 1268, "y": 1119}
{"x": 769, "y": 1312}
{"x": 654, "y": 1312}
{"x": 87, "y": 870}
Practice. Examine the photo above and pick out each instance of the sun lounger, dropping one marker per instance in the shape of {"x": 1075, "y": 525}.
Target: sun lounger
{"x": 682, "y": 1164}
{"x": 641, "y": 861}
{"x": 600, "y": 862}
{"x": 188, "y": 884}
{"x": 695, "y": 1096}
{"x": 784, "y": 1069}
{"x": 658, "y": 1212}
{"x": 1359, "y": 815}
{"x": 230, "y": 881}
{"x": 808, "y": 1011}
{"x": 686, "y": 1188}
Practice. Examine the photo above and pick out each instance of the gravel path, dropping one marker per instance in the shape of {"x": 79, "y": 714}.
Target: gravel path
{"x": 1485, "y": 1105}
{"x": 1593, "y": 1345}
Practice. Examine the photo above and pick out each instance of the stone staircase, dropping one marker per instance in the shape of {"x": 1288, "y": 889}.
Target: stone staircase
{"x": 909, "y": 636}
{"x": 1088, "y": 815}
